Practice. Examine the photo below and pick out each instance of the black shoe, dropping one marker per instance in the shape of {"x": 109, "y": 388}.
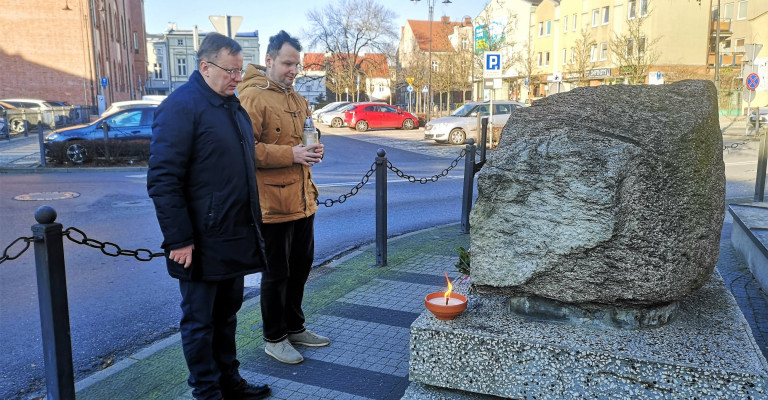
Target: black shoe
{"x": 246, "y": 391}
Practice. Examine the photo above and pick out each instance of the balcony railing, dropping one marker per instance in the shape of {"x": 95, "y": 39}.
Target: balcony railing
{"x": 726, "y": 59}
{"x": 725, "y": 27}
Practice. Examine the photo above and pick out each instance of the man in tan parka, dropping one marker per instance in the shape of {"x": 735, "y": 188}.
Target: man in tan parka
{"x": 286, "y": 192}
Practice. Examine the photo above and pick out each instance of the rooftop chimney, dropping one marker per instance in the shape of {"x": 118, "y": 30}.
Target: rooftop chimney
{"x": 445, "y": 19}
{"x": 468, "y": 21}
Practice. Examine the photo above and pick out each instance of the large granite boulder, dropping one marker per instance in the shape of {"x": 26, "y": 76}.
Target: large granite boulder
{"x": 610, "y": 195}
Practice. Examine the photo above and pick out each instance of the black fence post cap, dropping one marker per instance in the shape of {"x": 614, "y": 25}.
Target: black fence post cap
{"x": 45, "y": 215}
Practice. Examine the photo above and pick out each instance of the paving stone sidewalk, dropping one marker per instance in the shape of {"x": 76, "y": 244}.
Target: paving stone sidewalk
{"x": 367, "y": 312}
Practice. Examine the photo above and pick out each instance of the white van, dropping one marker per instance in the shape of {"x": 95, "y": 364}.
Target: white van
{"x": 45, "y": 108}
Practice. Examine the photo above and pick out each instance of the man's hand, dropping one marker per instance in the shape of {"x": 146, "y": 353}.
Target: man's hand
{"x": 308, "y": 155}
{"x": 182, "y": 255}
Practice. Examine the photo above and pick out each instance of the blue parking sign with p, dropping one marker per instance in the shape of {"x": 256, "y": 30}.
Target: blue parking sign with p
{"x": 492, "y": 67}
{"x": 493, "y": 61}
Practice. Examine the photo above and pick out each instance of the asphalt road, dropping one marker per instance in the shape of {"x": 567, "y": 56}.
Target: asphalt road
{"x": 118, "y": 305}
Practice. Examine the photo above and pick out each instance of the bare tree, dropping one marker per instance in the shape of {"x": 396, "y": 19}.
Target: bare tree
{"x": 527, "y": 64}
{"x": 344, "y": 31}
{"x": 499, "y": 25}
{"x": 583, "y": 55}
{"x": 633, "y": 51}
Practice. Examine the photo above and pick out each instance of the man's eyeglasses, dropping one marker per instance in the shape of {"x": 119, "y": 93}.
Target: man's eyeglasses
{"x": 233, "y": 73}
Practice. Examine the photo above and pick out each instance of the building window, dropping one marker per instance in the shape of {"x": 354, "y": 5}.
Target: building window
{"x": 541, "y": 29}
{"x": 727, "y": 11}
{"x": 595, "y": 17}
{"x": 574, "y": 23}
{"x": 549, "y": 28}
{"x": 565, "y": 24}
{"x": 565, "y": 56}
{"x": 606, "y": 15}
{"x": 464, "y": 43}
{"x": 539, "y": 61}
{"x": 158, "y": 71}
{"x": 742, "y": 12}
{"x": 630, "y": 48}
{"x": 181, "y": 66}
{"x": 740, "y": 42}
{"x": 603, "y": 51}
{"x": 136, "y": 42}
{"x": 180, "y": 42}
{"x": 434, "y": 66}
{"x": 546, "y": 59}
{"x": 593, "y": 53}
{"x": 727, "y": 44}
{"x": 631, "y": 11}
{"x": 640, "y": 46}
{"x": 573, "y": 55}
{"x": 643, "y": 8}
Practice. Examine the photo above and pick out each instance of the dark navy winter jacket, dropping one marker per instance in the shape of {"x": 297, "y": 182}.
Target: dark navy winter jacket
{"x": 201, "y": 180}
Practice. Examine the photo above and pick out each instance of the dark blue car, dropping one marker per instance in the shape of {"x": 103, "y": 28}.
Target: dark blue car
{"x": 129, "y": 133}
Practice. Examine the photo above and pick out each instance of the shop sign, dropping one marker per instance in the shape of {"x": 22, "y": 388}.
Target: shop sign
{"x": 599, "y": 73}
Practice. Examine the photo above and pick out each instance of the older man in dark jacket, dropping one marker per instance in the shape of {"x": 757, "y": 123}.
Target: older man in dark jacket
{"x": 201, "y": 179}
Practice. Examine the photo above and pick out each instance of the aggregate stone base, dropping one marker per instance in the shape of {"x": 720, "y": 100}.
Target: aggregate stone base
{"x": 706, "y": 351}
{"x": 418, "y": 391}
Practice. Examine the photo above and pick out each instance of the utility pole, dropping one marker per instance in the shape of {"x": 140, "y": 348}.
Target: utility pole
{"x": 717, "y": 50}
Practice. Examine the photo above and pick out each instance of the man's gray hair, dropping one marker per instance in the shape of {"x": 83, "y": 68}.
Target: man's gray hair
{"x": 213, "y": 43}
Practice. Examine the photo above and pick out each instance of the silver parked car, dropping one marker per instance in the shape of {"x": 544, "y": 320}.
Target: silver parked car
{"x": 463, "y": 123}
{"x": 335, "y": 118}
{"x": 328, "y": 107}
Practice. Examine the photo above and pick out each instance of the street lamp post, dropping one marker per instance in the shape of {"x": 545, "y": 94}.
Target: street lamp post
{"x": 431, "y": 4}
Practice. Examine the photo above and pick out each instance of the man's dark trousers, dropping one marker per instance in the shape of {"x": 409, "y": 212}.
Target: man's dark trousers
{"x": 290, "y": 250}
{"x": 208, "y": 325}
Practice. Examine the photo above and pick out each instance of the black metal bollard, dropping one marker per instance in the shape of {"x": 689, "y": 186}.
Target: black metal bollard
{"x": 483, "y": 138}
{"x": 41, "y": 140}
{"x": 761, "y": 166}
{"x": 381, "y": 208}
{"x": 469, "y": 180}
{"x": 105, "y": 128}
{"x": 54, "y": 306}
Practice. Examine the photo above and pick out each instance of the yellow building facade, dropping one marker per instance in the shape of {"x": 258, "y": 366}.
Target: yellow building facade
{"x": 596, "y": 42}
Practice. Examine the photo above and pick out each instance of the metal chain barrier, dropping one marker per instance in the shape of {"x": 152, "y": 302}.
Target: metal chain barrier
{"x": 109, "y": 248}
{"x": 6, "y": 257}
{"x": 344, "y": 197}
{"x": 434, "y": 178}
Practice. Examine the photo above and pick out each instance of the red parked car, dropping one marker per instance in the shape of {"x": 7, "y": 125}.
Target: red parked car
{"x": 366, "y": 116}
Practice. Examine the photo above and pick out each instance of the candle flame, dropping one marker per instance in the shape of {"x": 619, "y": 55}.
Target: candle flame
{"x": 447, "y": 294}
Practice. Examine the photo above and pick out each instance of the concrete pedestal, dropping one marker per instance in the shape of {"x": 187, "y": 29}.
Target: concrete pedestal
{"x": 706, "y": 351}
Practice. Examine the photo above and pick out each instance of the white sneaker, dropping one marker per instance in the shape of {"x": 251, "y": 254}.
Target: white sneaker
{"x": 283, "y": 351}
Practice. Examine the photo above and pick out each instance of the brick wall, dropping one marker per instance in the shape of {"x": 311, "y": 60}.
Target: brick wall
{"x": 47, "y": 52}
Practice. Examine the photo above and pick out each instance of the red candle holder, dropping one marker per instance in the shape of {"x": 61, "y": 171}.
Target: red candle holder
{"x": 435, "y": 302}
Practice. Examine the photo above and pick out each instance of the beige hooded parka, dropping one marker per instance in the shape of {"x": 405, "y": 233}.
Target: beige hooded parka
{"x": 286, "y": 190}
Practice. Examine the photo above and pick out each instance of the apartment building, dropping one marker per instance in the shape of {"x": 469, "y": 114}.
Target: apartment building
{"x": 572, "y": 43}
{"x": 173, "y": 56}
{"x": 417, "y": 52}
{"x": 597, "y": 42}
{"x": 84, "y": 52}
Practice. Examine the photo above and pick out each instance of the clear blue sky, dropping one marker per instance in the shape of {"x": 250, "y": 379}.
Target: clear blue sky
{"x": 270, "y": 16}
